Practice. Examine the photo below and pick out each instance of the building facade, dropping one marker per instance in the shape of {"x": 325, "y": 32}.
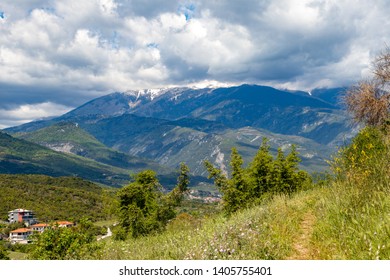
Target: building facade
{"x": 20, "y": 235}
{"x": 22, "y": 215}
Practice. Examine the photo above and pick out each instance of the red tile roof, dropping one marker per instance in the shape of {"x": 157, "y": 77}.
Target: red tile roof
{"x": 21, "y": 230}
{"x": 63, "y": 223}
{"x": 39, "y": 225}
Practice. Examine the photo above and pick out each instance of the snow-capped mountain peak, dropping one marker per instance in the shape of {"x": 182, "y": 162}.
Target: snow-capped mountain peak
{"x": 153, "y": 93}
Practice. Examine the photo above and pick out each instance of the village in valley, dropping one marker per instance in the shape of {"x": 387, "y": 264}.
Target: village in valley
{"x": 31, "y": 224}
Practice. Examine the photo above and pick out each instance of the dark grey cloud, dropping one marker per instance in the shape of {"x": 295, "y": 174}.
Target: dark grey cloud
{"x": 146, "y": 8}
{"x": 55, "y": 55}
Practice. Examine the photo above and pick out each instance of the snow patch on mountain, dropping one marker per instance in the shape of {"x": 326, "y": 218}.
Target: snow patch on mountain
{"x": 154, "y": 93}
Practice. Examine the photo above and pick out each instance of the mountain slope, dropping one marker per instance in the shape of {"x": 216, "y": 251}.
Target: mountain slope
{"x": 22, "y": 157}
{"x": 68, "y": 137}
{"x": 193, "y": 141}
{"x": 176, "y": 125}
{"x": 261, "y": 107}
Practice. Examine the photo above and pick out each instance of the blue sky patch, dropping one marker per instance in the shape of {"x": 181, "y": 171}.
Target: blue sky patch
{"x": 152, "y": 45}
{"x": 188, "y": 10}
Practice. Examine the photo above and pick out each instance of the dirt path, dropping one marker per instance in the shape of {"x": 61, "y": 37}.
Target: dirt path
{"x": 302, "y": 244}
{"x": 109, "y": 233}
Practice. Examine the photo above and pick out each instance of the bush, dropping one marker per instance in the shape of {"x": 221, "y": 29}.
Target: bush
{"x": 73, "y": 243}
{"x": 359, "y": 162}
{"x": 3, "y": 253}
{"x": 264, "y": 177}
{"x": 369, "y": 101}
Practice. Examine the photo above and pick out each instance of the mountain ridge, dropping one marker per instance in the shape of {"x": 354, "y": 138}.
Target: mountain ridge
{"x": 192, "y": 125}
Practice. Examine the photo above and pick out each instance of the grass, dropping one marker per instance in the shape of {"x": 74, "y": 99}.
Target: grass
{"x": 105, "y": 223}
{"x": 14, "y": 255}
{"x": 261, "y": 232}
{"x": 338, "y": 229}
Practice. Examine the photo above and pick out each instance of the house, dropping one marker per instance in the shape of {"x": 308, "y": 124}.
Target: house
{"x": 39, "y": 227}
{"x": 62, "y": 224}
{"x": 22, "y": 215}
{"x": 20, "y": 235}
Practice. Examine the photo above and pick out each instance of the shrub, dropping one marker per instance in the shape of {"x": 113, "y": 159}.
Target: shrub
{"x": 369, "y": 100}
{"x": 77, "y": 242}
{"x": 264, "y": 177}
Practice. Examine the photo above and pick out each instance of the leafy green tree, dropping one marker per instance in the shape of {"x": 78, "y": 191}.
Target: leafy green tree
{"x": 287, "y": 176}
{"x": 183, "y": 181}
{"x": 144, "y": 208}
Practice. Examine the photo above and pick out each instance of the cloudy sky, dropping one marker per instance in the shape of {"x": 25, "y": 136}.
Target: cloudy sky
{"x": 57, "y": 54}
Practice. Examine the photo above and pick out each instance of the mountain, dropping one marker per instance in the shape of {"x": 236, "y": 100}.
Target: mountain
{"x": 235, "y": 107}
{"x": 69, "y": 138}
{"x": 18, "y": 156}
{"x": 193, "y": 141}
{"x": 330, "y": 95}
{"x": 176, "y": 125}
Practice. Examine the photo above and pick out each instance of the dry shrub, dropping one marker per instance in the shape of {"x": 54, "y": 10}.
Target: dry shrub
{"x": 382, "y": 66}
{"x": 369, "y": 101}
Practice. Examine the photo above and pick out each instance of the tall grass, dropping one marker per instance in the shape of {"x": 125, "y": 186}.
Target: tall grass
{"x": 354, "y": 212}
{"x": 261, "y": 232}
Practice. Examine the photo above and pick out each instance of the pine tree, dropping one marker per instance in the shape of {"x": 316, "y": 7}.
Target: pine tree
{"x": 260, "y": 169}
{"x": 237, "y": 193}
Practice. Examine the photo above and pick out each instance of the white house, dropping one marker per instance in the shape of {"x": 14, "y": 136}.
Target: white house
{"x": 20, "y": 235}
{"x": 39, "y": 227}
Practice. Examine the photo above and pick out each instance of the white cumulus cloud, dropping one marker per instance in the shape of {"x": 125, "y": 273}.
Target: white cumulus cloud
{"x": 67, "y": 52}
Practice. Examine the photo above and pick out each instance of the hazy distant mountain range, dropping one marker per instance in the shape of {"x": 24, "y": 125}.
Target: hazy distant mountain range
{"x": 158, "y": 129}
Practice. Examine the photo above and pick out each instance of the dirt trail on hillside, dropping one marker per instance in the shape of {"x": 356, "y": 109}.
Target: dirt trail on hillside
{"x": 302, "y": 248}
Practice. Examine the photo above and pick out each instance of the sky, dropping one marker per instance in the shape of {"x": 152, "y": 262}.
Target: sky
{"x": 56, "y": 55}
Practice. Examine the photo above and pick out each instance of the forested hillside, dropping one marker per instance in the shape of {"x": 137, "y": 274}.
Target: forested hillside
{"x": 63, "y": 198}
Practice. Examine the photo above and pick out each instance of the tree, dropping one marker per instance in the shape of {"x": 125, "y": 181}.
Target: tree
{"x": 138, "y": 205}
{"x": 236, "y": 193}
{"x": 264, "y": 176}
{"x": 369, "y": 101}
{"x": 183, "y": 181}
{"x": 144, "y": 208}
{"x": 261, "y": 168}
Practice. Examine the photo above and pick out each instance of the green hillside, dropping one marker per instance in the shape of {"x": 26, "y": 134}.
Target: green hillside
{"x": 22, "y": 157}
{"x": 68, "y": 137}
{"x": 63, "y": 198}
